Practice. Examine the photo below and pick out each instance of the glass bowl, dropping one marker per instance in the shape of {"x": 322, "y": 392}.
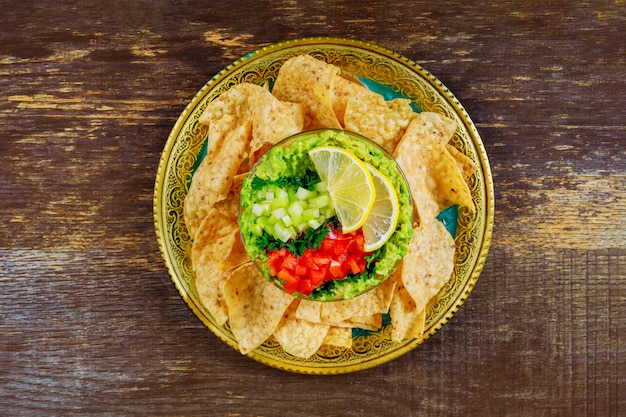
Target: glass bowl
{"x": 272, "y": 183}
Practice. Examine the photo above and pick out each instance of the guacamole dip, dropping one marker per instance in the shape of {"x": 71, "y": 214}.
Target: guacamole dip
{"x": 287, "y": 170}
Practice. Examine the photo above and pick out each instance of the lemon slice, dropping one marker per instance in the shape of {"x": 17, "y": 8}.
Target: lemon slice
{"x": 383, "y": 217}
{"x": 349, "y": 183}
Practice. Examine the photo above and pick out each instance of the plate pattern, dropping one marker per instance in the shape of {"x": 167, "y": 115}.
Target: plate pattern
{"x": 404, "y": 77}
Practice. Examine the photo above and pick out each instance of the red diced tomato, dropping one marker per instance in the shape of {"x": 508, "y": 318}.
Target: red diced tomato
{"x": 309, "y": 262}
{"x": 362, "y": 264}
{"x": 301, "y": 270}
{"x": 321, "y": 261}
{"x": 335, "y": 270}
{"x": 328, "y": 245}
{"x": 339, "y": 255}
{"x": 317, "y": 276}
{"x": 290, "y": 287}
{"x": 360, "y": 241}
{"x": 342, "y": 258}
{"x": 287, "y": 276}
{"x": 341, "y": 246}
{"x": 354, "y": 266}
{"x": 290, "y": 262}
{"x": 345, "y": 268}
{"x": 305, "y": 287}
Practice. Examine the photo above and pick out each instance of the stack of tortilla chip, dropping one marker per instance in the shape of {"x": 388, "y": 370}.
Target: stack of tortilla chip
{"x": 246, "y": 121}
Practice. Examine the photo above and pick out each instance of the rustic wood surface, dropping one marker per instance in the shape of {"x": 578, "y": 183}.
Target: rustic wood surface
{"x": 90, "y": 323}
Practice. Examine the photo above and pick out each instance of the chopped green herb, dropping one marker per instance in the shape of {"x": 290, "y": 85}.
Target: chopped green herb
{"x": 310, "y": 239}
{"x": 308, "y": 181}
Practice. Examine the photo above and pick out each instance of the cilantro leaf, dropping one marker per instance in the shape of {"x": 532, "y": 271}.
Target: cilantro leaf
{"x": 308, "y": 181}
{"x": 310, "y": 239}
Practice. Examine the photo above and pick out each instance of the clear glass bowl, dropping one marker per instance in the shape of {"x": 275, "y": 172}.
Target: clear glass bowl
{"x": 289, "y": 158}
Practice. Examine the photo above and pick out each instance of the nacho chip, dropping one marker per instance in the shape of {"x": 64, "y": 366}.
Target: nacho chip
{"x": 309, "y": 81}
{"x": 309, "y": 310}
{"x": 255, "y": 307}
{"x": 230, "y": 206}
{"x": 374, "y": 301}
{"x": 272, "y": 120}
{"x": 214, "y": 178}
{"x": 222, "y": 115}
{"x": 406, "y": 321}
{"x": 345, "y": 90}
{"x": 429, "y": 263}
{"x": 382, "y": 121}
{"x": 216, "y": 249}
{"x": 371, "y": 322}
{"x": 434, "y": 177}
{"x": 339, "y": 337}
{"x": 437, "y": 126}
{"x": 464, "y": 162}
{"x": 300, "y": 338}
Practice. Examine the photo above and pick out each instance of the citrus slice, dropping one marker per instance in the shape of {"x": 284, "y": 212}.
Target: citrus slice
{"x": 383, "y": 217}
{"x": 349, "y": 184}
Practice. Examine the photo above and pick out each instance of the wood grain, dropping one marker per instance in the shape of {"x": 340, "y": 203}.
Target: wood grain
{"x": 90, "y": 323}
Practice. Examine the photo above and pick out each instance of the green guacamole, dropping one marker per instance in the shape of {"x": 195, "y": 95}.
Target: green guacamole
{"x": 290, "y": 159}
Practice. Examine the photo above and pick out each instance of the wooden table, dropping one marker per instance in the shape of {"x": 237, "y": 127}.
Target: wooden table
{"x": 90, "y": 322}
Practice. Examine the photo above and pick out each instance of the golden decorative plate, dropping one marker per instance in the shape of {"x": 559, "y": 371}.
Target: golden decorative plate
{"x": 388, "y": 73}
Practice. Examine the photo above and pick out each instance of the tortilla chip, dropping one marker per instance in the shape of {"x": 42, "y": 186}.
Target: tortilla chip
{"x": 382, "y": 121}
{"x": 339, "y": 337}
{"x": 374, "y": 301}
{"x": 429, "y": 263}
{"x": 214, "y": 178}
{"x": 300, "y": 338}
{"x": 309, "y": 310}
{"x": 371, "y": 322}
{"x": 309, "y": 81}
{"x": 255, "y": 307}
{"x": 437, "y": 126}
{"x": 272, "y": 120}
{"x": 464, "y": 162}
{"x": 214, "y": 252}
{"x": 296, "y": 112}
{"x": 406, "y": 321}
{"x": 345, "y": 90}
{"x": 435, "y": 180}
{"x": 230, "y": 206}
{"x": 224, "y": 114}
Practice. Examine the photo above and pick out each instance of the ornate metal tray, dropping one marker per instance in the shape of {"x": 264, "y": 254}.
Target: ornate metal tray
{"x": 380, "y": 69}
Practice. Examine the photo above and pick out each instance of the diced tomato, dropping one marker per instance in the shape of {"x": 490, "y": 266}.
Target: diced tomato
{"x": 317, "y": 277}
{"x": 360, "y": 241}
{"x": 328, "y": 245}
{"x": 290, "y": 287}
{"x": 335, "y": 270}
{"x": 275, "y": 262}
{"x": 339, "y": 255}
{"x": 305, "y": 287}
{"x": 320, "y": 261}
{"x": 341, "y": 246}
{"x": 287, "y": 276}
{"x": 307, "y": 260}
{"x": 290, "y": 262}
{"x": 354, "y": 266}
{"x": 362, "y": 263}
{"x": 301, "y": 270}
